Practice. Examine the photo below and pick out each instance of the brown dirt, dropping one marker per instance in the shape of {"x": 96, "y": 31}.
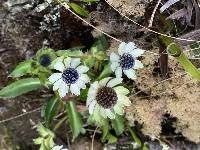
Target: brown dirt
{"x": 135, "y": 8}
{"x": 179, "y": 97}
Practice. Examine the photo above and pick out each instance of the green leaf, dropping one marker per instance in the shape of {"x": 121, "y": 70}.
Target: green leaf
{"x": 90, "y": 61}
{"x": 70, "y": 52}
{"x": 38, "y": 141}
{"x": 83, "y": 94}
{"x": 79, "y": 10}
{"x": 102, "y": 43}
{"x": 134, "y": 136}
{"x": 106, "y": 72}
{"x": 20, "y": 87}
{"x": 145, "y": 147}
{"x": 44, "y": 132}
{"x": 105, "y": 130}
{"x": 107, "y": 136}
{"x": 74, "y": 119}
{"x": 46, "y": 138}
{"x": 22, "y": 69}
{"x": 111, "y": 138}
{"x": 100, "y": 56}
{"x": 189, "y": 67}
{"x": 118, "y": 124}
{"x": 51, "y": 109}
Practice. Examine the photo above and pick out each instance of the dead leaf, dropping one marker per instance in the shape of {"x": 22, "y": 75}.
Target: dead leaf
{"x": 168, "y": 4}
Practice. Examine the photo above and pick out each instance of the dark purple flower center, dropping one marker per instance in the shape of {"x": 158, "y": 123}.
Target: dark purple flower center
{"x": 106, "y": 97}
{"x": 127, "y": 61}
{"x": 45, "y": 60}
{"x": 70, "y": 76}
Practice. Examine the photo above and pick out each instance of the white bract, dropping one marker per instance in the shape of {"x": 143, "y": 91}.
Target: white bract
{"x": 126, "y": 60}
{"x": 106, "y": 98}
{"x": 57, "y": 147}
{"x": 72, "y": 76}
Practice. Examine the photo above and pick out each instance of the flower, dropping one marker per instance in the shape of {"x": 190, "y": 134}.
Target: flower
{"x": 57, "y": 147}
{"x": 105, "y": 98}
{"x": 72, "y": 77}
{"x": 126, "y": 60}
{"x": 45, "y": 57}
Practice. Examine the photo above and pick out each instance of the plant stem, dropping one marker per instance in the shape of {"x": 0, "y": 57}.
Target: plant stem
{"x": 174, "y": 50}
{"x": 135, "y": 137}
{"x": 59, "y": 123}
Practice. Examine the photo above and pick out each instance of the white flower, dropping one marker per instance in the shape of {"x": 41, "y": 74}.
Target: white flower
{"x": 72, "y": 77}
{"x": 59, "y": 148}
{"x": 126, "y": 60}
{"x": 105, "y": 98}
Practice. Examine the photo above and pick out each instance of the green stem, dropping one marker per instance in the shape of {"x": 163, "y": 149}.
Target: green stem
{"x": 188, "y": 66}
{"x": 183, "y": 60}
{"x": 59, "y": 123}
{"x": 175, "y": 51}
{"x": 135, "y": 137}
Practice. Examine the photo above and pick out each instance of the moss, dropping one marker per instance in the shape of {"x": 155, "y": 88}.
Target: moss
{"x": 179, "y": 98}
{"x": 6, "y": 141}
{"x": 129, "y": 7}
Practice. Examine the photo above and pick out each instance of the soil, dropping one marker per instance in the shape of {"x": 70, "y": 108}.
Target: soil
{"x": 134, "y": 8}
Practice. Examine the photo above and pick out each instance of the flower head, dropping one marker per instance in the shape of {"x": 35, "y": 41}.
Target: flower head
{"x": 72, "y": 77}
{"x": 126, "y": 60}
{"x": 45, "y": 57}
{"x": 106, "y": 98}
{"x": 57, "y": 147}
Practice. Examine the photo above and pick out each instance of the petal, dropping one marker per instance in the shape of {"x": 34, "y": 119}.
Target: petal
{"x": 67, "y": 62}
{"x": 118, "y": 72}
{"x": 89, "y": 100}
{"x": 138, "y": 64}
{"x": 95, "y": 85}
{"x": 63, "y": 89}
{"x": 75, "y": 62}
{"x": 110, "y": 114}
{"x": 114, "y": 82}
{"x": 93, "y": 89}
{"x": 85, "y": 78}
{"x": 59, "y": 66}
{"x": 57, "y": 84}
{"x": 129, "y": 47}
{"x": 82, "y": 69}
{"x": 121, "y": 90}
{"x": 104, "y": 81}
{"x": 103, "y": 112}
{"x": 137, "y": 52}
{"x": 81, "y": 84}
{"x": 92, "y": 106}
{"x": 123, "y": 100}
{"x": 75, "y": 89}
{"x": 114, "y": 57}
{"x": 130, "y": 73}
{"x": 121, "y": 48}
{"x": 97, "y": 115}
{"x": 118, "y": 108}
{"x": 57, "y": 147}
{"x": 92, "y": 93}
{"x": 114, "y": 66}
{"x": 55, "y": 77}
